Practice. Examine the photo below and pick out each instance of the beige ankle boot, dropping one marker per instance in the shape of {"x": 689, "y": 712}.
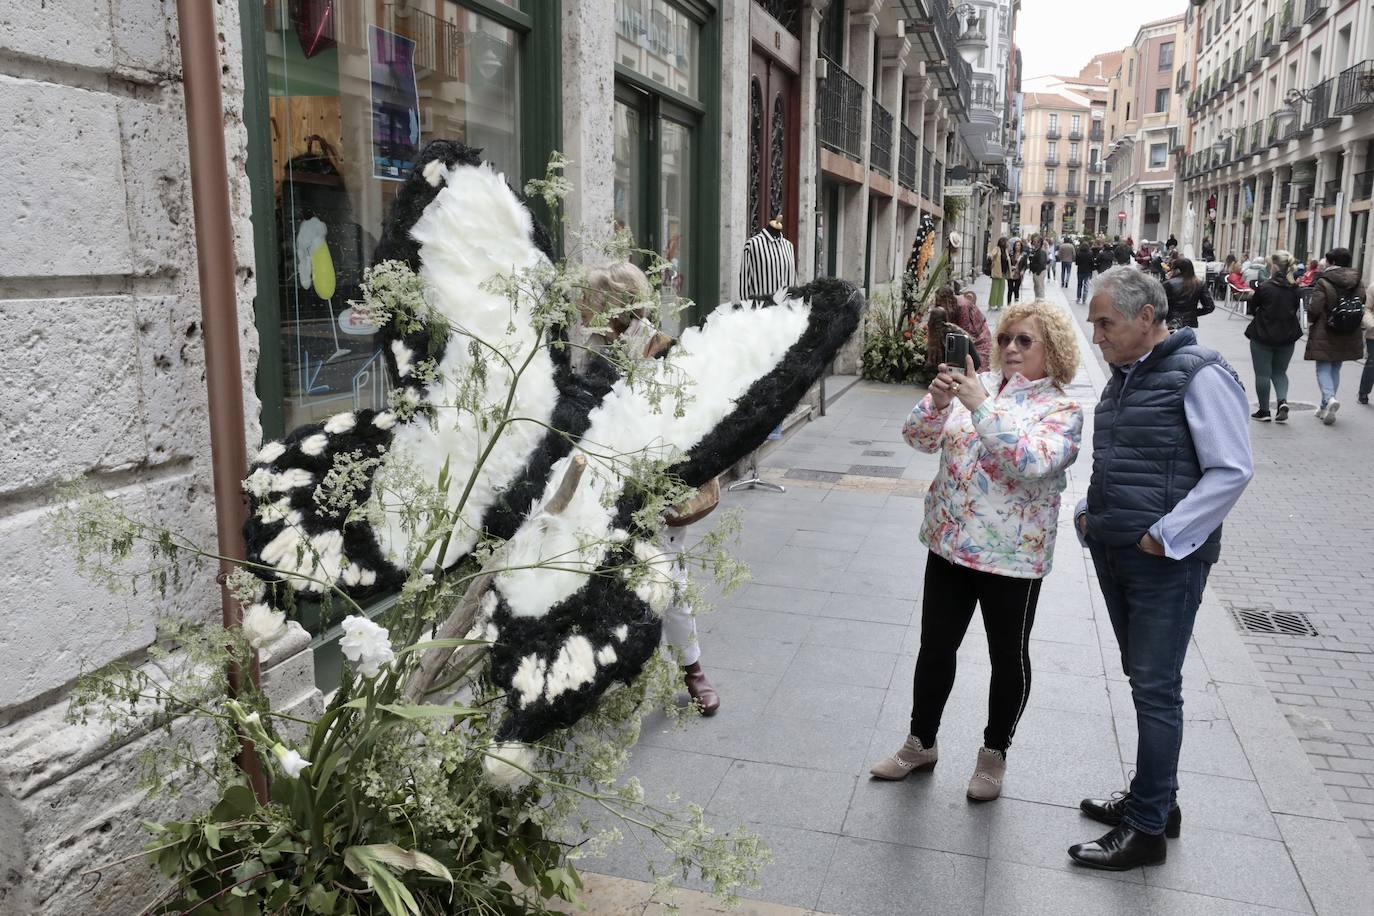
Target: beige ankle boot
{"x": 986, "y": 783}
{"x": 912, "y": 756}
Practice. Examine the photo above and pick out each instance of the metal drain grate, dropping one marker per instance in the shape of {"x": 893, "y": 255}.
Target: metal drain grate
{"x": 1273, "y": 623}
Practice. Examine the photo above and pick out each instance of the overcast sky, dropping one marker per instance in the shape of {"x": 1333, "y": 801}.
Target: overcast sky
{"x": 1061, "y": 36}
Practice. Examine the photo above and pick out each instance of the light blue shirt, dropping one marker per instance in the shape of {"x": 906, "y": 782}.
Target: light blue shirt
{"x": 1218, "y": 412}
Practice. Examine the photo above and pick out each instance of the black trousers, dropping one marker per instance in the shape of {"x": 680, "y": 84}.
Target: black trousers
{"x": 1008, "y": 604}
{"x": 1013, "y": 289}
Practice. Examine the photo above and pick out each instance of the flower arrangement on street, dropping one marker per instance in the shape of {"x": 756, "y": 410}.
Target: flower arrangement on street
{"x": 895, "y": 344}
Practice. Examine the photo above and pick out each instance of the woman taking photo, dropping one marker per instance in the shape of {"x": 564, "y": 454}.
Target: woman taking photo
{"x": 1005, "y": 439}
{"x": 1188, "y": 296}
{"x": 1273, "y": 332}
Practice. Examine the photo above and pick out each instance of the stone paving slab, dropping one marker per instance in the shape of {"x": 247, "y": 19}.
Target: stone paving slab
{"x": 813, "y": 659}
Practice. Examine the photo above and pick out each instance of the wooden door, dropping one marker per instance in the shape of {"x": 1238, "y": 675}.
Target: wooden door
{"x": 773, "y": 134}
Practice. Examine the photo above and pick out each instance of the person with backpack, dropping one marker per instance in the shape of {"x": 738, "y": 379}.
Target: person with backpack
{"x": 1273, "y": 331}
{"x": 1335, "y": 312}
{"x": 1188, "y": 296}
{"x": 1039, "y": 262}
{"x": 1085, "y": 260}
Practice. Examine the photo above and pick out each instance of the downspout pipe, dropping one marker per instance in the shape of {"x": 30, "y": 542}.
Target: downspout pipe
{"x": 219, "y": 314}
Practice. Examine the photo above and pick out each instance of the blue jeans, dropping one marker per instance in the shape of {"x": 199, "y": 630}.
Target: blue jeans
{"x": 1328, "y": 379}
{"x": 1064, "y": 268}
{"x": 1367, "y": 376}
{"x": 1152, "y": 602}
{"x": 1085, "y": 278}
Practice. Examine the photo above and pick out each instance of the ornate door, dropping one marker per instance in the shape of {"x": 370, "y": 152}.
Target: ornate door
{"x": 773, "y": 129}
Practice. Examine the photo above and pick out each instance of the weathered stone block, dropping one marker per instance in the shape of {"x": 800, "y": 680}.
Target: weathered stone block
{"x": 144, "y": 38}
{"x": 157, "y": 184}
{"x": 171, "y": 367}
{"x": 59, "y": 623}
{"x": 66, "y": 31}
{"x": 65, "y": 183}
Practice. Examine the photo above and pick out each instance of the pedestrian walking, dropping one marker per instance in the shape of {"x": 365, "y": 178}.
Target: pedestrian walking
{"x": 1367, "y": 323}
{"x": 1106, "y": 258}
{"x": 1171, "y": 455}
{"x": 1209, "y": 253}
{"x": 1017, "y": 259}
{"x": 1085, "y": 260}
{"x": 997, "y": 266}
{"x": 1006, "y": 439}
{"x": 1039, "y": 263}
{"x": 1188, "y": 296}
{"x": 1067, "y": 254}
{"x": 1274, "y": 331}
{"x": 1334, "y": 315}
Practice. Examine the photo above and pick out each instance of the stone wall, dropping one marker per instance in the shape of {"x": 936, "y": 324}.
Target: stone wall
{"x": 103, "y": 376}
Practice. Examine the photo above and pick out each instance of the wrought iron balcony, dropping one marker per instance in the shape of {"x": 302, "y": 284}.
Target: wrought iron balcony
{"x": 1052, "y": 161}
{"x": 1075, "y": 134}
{"x": 1094, "y": 168}
{"x": 1095, "y": 132}
{"x": 1071, "y": 191}
{"x": 1314, "y": 10}
{"x": 1329, "y": 192}
{"x": 880, "y": 140}
{"x": 839, "y": 103}
{"x": 1356, "y": 89}
{"x": 1257, "y": 136}
{"x": 927, "y": 166}
{"x": 1363, "y": 188}
{"x": 906, "y": 159}
{"x": 1267, "y": 43}
{"x": 1254, "y": 60}
{"x": 1052, "y": 134}
{"x": 1095, "y": 199}
{"x": 1075, "y": 162}
{"x": 1320, "y": 100}
{"x": 1051, "y": 191}
{"x": 1288, "y": 21}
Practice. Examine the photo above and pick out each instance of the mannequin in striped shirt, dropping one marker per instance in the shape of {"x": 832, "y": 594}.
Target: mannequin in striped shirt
{"x": 769, "y": 262}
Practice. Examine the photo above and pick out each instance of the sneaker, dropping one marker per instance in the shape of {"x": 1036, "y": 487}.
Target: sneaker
{"x": 1321, "y": 413}
{"x": 1364, "y": 400}
{"x": 1330, "y": 416}
{"x": 986, "y": 783}
{"x": 911, "y": 757}
{"x": 1262, "y": 415}
{"x": 1281, "y": 415}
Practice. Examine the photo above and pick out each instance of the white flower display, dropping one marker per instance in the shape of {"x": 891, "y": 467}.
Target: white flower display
{"x": 263, "y": 626}
{"x": 292, "y": 763}
{"x": 506, "y": 763}
{"x": 367, "y": 645}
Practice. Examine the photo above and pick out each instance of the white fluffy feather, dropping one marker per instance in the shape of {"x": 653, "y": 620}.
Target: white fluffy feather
{"x": 314, "y": 445}
{"x": 340, "y": 423}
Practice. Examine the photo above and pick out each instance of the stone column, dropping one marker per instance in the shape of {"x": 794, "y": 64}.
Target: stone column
{"x": 1258, "y": 217}
{"x": 854, "y": 256}
{"x": 588, "y": 42}
{"x": 887, "y": 236}
{"x": 1273, "y": 216}
{"x": 809, "y": 201}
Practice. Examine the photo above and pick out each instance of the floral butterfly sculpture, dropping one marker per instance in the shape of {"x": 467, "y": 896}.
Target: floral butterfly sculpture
{"x": 525, "y": 451}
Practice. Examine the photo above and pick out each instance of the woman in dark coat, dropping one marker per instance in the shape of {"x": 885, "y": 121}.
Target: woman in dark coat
{"x": 1188, "y": 296}
{"x": 1325, "y": 347}
{"x": 1273, "y": 331}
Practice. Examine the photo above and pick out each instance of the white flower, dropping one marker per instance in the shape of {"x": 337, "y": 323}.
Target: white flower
{"x": 505, "y": 764}
{"x": 263, "y": 626}
{"x": 291, "y": 761}
{"x": 366, "y": 645}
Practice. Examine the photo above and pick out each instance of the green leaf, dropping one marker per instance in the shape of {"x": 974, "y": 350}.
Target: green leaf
{"x": 212, "y": 836}
{"x": 423, "y": 711}
{"x": 319, "y": 900}
{"x": 237, "y": 802}
{"x": 396, "y": 857}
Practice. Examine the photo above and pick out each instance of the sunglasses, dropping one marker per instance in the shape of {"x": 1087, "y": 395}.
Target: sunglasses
{"x": 1023, "y": 341}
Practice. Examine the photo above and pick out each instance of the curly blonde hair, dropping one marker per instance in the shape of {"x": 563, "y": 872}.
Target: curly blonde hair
{"x": 1061, "y": 343}
{"x": 619, "y": 285}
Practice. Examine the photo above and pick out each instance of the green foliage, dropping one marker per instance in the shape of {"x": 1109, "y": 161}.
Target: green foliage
{"x": 389, "y": 801}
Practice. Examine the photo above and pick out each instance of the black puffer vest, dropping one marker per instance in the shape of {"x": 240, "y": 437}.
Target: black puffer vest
{"x": 1144, "y": 461}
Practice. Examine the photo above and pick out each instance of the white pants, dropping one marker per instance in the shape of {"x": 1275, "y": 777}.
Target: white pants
{"x": 679, "y": 623}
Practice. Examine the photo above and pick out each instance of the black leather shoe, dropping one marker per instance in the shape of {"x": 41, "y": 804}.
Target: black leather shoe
{"x": 1110, "y": 811}
{"x": 1122, "y": 849}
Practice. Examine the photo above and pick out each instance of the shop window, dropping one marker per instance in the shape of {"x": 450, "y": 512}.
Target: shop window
{"x": 660, "y": 42}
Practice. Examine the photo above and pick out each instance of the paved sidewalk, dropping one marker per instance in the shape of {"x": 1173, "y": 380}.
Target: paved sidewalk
{"x": 813, "y": 659}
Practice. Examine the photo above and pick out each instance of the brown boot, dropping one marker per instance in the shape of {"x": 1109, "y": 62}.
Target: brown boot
{"x": 700, "y": 689}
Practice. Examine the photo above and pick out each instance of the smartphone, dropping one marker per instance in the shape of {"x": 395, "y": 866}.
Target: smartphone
{"x": 956, "y": 351}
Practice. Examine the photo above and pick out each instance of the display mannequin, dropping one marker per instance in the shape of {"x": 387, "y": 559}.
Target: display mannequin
{"x": 769, "y": 262}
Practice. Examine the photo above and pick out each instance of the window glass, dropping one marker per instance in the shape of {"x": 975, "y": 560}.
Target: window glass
{"x": 1159, "y": 155}
{"x": 658, "y": 41}
{"x": 1161, "y": 100}
{"x": 355, "y": 90}
{"x": 627, "y": 162}
{"x": 1166, "y": 55}
{"x": 675, "y": 195}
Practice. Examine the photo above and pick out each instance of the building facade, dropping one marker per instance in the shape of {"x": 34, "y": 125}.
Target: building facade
{"x": 1279, "y": 150}
{"x": 1145, "y": 133}
{"x": 688, "y": 123}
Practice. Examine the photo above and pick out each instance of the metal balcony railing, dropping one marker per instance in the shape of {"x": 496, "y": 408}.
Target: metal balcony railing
{"x": 906, "y": 159}
{"x": 1253, "y": 59}
{"x": 953, "y": 68}
{"x": 1052, "y": 161}
{"x": 1052, "y": 134}
{"x": 1094, "y": 168}
{"x": 1267, "y": 43}
{"x": 1095, "y": 199}
{"x": 1363, "y": 187}
{"x": 1285, "y": 195}
{"x": 1356, "y": 89}
{"x": 839, "y": 104}
{"x": 880, "y": 140}
{"x": 1075, "y": 134}
{"x": 1256, "y": 137}
{"x": 1237, "y": 65}
{"x": 1267, "y": 201}
{"x": 1319, "y": 105}
{"x": 1288, "y": 21}
{"x": 1303, "y": 198}
{"x": 1071, "y": 191}
{"x": 1181, "y": 80}
{"x": 1329, "y": 192}
{"x": 937, "y": 178}
{"x": 1075, "y": 162}
{"x": 927, "y": 166}
{"x": 1051, "y": 191}
{"x": 1314, "y": 9}
{"x": 1095, "y": 132}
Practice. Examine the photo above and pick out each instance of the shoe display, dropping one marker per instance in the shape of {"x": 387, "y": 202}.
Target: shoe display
{"x": 1110, "y": 811}
{"x": 911, "y": 757}
{"x": 700, "y": 689}
{"x": 1262, "y": 415}
{"x": 986, "y": 783}
{"x": 1122, "y": 849}
{"x": 1281, "y": 415}
{"x": 1329, "y": 416}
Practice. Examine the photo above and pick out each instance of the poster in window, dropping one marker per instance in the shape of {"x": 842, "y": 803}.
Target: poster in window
{"x": 395, "y": 103}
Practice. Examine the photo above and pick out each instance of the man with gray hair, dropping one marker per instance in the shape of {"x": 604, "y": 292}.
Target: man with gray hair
{"x": 1171, "y": 455}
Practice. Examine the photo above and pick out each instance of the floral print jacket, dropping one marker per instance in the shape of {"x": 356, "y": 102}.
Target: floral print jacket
{"x": 994, "y": 504}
